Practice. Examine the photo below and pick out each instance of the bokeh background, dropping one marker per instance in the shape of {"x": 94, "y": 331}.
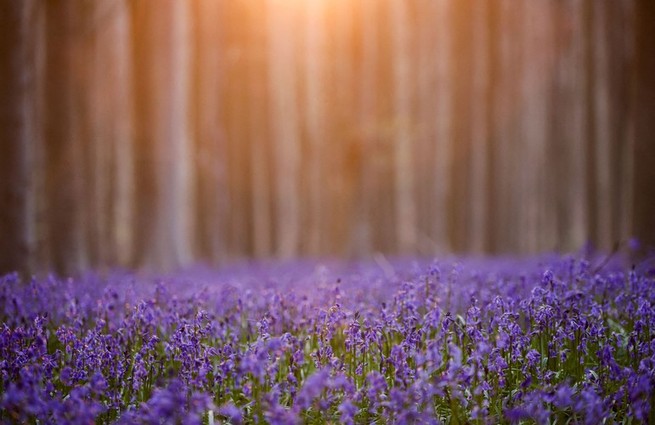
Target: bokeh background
{"x": 160, "y": 133}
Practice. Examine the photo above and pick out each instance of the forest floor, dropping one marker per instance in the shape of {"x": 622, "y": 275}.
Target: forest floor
{"x": 550, "y": 339}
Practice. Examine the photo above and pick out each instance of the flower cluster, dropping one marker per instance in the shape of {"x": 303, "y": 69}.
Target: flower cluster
{"x": 549, "y": 339}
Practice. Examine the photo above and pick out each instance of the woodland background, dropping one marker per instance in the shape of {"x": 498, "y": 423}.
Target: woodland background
{"x": 158, "y": 133}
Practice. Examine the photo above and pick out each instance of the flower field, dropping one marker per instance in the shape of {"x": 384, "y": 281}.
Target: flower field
{"x": 554, "y": 339}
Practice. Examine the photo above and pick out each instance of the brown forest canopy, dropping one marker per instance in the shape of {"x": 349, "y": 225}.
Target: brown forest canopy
{"x": 161, "y": 132}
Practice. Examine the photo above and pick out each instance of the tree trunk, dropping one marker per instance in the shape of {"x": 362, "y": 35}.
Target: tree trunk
{"x": 284, "y": 124}
{"x": 534, "y": 129}
{"x": 624, "y": 48}
{"x": 260, "y": 151}
{"x": 425, "y": 61}
{"x": 362, "y": 243}
{"x": 602, "y": 126}
{"x": 444, "y": 126}
{"x": 479, "y": 201}
{"x": 644, "y": 137}
{"x": 21, "y": 49}
{"x": 212, "y": 190}
{"x": 572, "y": 177}
{"x": 121, "y": 132}
{"x": 66, "y": 171}
{"x": 405, "y": 200}
{"x": 165, "y": 149}
{"x": 109, "y": 138}
{"x": 315, "y": 100}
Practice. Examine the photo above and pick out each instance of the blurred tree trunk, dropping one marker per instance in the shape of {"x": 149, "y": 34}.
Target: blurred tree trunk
{"x": 95, "y": 150}
{"x": 425, "y": 62}
{"x": 443, "y": 161}
{"x": 238, "y": 121}
{"x": 479, "y": 201}
{"x": 212, "y": 193}
{"x": 513, "y": 45}
{"x": 463, "y": 121}
{"x": 284, "y": 124}
{"x": 65, "y": 112}
{"x": 546, "y": 153}
{"x": 590, "y": 135}
{"x": 644, "y": 136}
{"x": 613, "y": 54}
{"x": 109, "y": 133}
{"x": 367, "y": 43}
{"x": 404, "y": 196}
{"x": 119, "y": 133}
{"x": 502, "y": 117}
{"x": 381, "y": 153}
{"x": 163, "y": 52}
{"x": 21, "y": 63}
{"x": 260, "y": 152}
{"x": 624, "y": 50}
{"x": 571, "y": 85}
{"x": 315, "y": 70}
{"x": 603, "y": 125}
{"x": 344, "y": 152}
{"x": 533, "y": 118}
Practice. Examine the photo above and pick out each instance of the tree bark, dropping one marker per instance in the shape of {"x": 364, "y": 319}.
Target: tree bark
{"x": 213, "y": 199}
{"x": 625, "y": 43}
{"x": 405, "y": 200}
{"x": 315, "y": 70}
{"x": 260, "y": 152}
{"x": 534, "y": 128}
{"x": 644, "y": 137}
{"x": 368, "y": 126}
{"x": 66, "y": 105}
{"x": 120, "y": 132}
{"x": 165, "y": 148}
{"x": 444, "y": 126}
{"x": 573, "y": 204}
{"x": 109, "y": 135}
{"x": 603, "y": 127}
{"x": 21, "y": 50}
{"x": 479, "y": 201}
{"x": 425, "y": 61}
{"x": 284, "y": 124}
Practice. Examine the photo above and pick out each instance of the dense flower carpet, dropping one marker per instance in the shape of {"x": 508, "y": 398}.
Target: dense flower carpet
{"x": 550, "y": 339}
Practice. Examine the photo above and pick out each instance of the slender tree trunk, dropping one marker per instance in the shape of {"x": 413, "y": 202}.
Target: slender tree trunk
{"x": 238, "y": 120}
{"x": 120, "y": 131}
{"x": 21, "y": 49}
{"x": 284, "y": 124}
{"x": 164, "y": 59}
{"x": 368, "y": 126}
{"x": 602, "y": 126}
{"x": 533, "y": 140}
{"x": 260, "y": 151}
{"x": 315, "y": 68}
{"x": 94, "y": 153}
{"x": 479, "y": 204}
{"x": 588, "y": 91}
{"x": 65, "y": 175}
{"x": 444, "y": 125}
{"x": 547, "y": 239}
{"x": 572, "y": 177}
{"x": 625, "y": 50}
{"x": 644, "y": 137}
{"x": 502, "y": 117}
{"x": 212, "y": 191}
{"x": 425, "y": 61}
{"x": 109, "y": 136}
{"x": 405, "y": 200}
{"x": 345, "y": 150}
